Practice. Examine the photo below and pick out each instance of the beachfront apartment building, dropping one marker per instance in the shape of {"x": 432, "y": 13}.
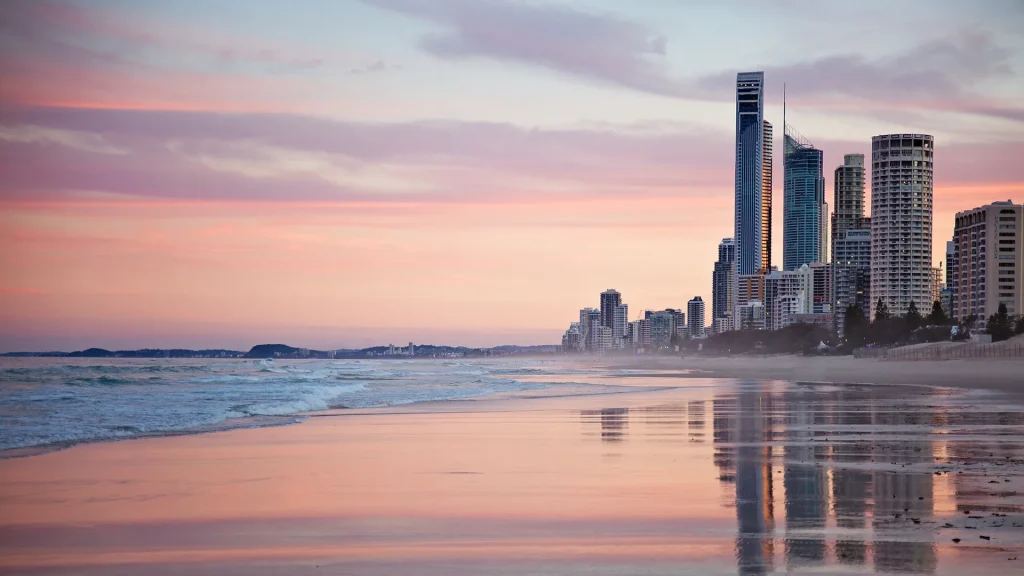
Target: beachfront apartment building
{"x": 590, "y": 319}
{"x": 852, "y": 267}
{"x": 847, "y": 199}
{"x": 695, "y": 313}
{"x": 572, "y": 340}
{"x": 721, "y": 325}
{"x": 752, "y": 316}
{"x": 609, "y": 300}
{"x": 662, "y": 326}
{"x": 749, "y": 288}
{"x": 620, "y": 325}
{"x": 603, "y": 339}
{"x": 901, "y": 221}
{"x": 988, "y": 261}
{"x": 802, "y": 295}
{"x": 640, "y": 333}
{"x": 723, "y": 280}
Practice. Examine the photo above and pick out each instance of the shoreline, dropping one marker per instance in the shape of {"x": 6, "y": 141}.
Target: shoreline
{"x": 1003, "y": 377}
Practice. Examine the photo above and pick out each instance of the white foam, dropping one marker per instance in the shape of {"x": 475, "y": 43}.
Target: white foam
{"x": 316, "y": 399}
{"x": 40, "y": 403}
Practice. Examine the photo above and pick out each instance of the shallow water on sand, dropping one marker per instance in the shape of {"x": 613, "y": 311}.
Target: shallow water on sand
{"x": 664, "y": 476}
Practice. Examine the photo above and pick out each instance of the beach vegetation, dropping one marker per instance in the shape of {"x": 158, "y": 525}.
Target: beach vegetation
{"x": 793, "y": 339}
{"x": 913, "y": 317}
{"x": 1000, "y": 325}
{"x": 882, "y": 311}
{"x": 938, "y": 315}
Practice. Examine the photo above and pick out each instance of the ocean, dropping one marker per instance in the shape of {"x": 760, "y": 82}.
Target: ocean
{"x": 55, "y": 401}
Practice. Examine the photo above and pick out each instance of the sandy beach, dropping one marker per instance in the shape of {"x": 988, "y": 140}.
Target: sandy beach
{"x": 1002, "y": 375}
{"x": 638, "y": 471}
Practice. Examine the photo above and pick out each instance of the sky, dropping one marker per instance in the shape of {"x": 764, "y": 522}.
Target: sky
{"x": 343, "y": 173}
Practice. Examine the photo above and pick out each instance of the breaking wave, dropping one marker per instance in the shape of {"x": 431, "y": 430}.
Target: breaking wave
{"x": 45, "y": 401}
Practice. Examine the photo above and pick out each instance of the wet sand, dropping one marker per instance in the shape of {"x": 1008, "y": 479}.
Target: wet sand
{"x": 1003, "y": 375}
{"x": 664, "y": 476}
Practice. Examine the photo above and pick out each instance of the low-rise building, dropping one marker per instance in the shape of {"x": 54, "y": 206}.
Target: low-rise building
{"x": 752, "y": 316}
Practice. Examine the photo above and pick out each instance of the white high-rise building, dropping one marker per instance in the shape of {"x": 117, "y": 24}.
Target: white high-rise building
{"x": 603, "y": 338}
{"x": 572, "y": 340}
{"x": 802, "y": 295}
{"x": 695, "y": 315}
{"x": 590, "y": 319}
{"x": 901, "y": 221}
{"x": 640, "y": 333}
{"x": 620, "y": 326}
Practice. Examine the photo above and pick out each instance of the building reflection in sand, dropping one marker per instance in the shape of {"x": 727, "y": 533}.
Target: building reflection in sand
{"x": 614, "y": 422}
{"x": 824, "y": 475}
{"x": 842, "y": 502}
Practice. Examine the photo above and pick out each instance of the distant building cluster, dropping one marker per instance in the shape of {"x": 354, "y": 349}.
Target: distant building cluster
{"x": 609, "y": 328}
{"x": 885, "y": 258}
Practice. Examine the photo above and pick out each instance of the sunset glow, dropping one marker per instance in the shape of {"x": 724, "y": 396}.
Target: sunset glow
{"x": 359, "y": 172}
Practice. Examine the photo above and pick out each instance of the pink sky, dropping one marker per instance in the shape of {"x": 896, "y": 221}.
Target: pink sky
{"x": 179, "y": 177}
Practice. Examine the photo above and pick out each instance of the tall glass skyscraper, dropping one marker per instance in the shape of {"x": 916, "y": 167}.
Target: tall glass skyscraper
{"x": 804, "y": 226}
{"x": 749, "y": 171}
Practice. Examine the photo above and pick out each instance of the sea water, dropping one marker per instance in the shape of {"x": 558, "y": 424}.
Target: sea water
{"x": 56, "y": 401}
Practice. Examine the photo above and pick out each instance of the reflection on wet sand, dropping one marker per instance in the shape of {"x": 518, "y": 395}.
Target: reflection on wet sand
{"x": 686, "y": 477}
{"x": 857, "y": 470}
{"x": 613, "y": 421}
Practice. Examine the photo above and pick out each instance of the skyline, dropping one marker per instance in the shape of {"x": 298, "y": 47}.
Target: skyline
{"x": 345, "y": 186}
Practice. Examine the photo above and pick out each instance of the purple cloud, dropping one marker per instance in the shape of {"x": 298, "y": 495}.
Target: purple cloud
{"x": 601, "y": 47}
{"x": 202, "y": 155}
{"x": 937, "y": 75}
{"x": 940, "y": 74}
{"x": 56, "y": 30}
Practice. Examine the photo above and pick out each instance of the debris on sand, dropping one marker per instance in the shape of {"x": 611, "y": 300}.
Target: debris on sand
{"x": 956, "y": 540}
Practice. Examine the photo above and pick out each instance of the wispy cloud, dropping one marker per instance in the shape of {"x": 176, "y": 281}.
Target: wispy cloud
{"x": 70, "y": 34}
{"x": 244, "y": 157}
{"x": 374, "y": 67}
{"x": 78, "y": 140}
{"x": 939, "y": 74}
{"x": 598, "y": 46}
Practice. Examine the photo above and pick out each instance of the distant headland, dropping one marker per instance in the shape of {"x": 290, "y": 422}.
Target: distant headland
{"x": 285, "y": 351}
